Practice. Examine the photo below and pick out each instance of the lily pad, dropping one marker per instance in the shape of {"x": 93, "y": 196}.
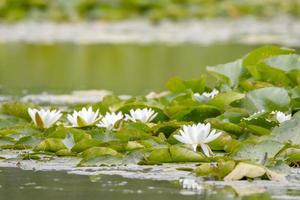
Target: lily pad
{"x": 247, "y": 170}
{"x": 229, "y": 73}
{"x": 50, "y": 144}
{"x": 287, "y": 132}
{"x": 267, "y": 99}
{"x": 217, "y": 169}
{"x": 257, "y": 151}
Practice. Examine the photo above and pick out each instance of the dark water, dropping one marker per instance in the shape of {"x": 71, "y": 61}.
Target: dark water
{"x": 124, "y": 69}
{"x": 29, "y": 185}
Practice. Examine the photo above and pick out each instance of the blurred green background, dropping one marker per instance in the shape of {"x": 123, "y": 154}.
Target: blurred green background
{"x": 74, "y": 10}
{"x": 129, "y": 68}
{"x": 122, "y": 68}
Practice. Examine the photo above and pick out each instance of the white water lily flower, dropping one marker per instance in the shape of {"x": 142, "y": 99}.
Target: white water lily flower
{"x": 144, "y": 115}
{"x": 190, "y": 184}
{"x": 84, "y": 117}
{"x": 205, "y": 96}
{"x": 281, "y": 117}
{"x": 109, "y": 120}
{"x": 44, "y": 118}
{"x": 198, "y": 134}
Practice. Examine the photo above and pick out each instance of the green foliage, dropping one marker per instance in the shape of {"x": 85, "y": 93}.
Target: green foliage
{"x": 257, "y": 152}
{"x": 267, "y": 99}
{"x": 218, "y": 169}
{"x": 155, "y": 10}
{"x": 174, "y": 154}
{"x": 229, "y": 73}
{"x": 17, "y": 109}
{"x": 250, "y": 90}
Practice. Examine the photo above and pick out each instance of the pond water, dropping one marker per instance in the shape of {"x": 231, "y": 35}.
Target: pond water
{"x": 124, "y": 69}
{"x": 29, "y": 185}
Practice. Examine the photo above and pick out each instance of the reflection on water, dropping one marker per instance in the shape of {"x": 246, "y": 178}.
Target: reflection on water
{"x": 131, "y": 68}
{"x": 28, "y": 185}
{"x": 17, "y": 184}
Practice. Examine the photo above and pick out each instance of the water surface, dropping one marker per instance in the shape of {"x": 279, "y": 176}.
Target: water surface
{"x": 124, "y": 69}
{"x": 29, "y": 185}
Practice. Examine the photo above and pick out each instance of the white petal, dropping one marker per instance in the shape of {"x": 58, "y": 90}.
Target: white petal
{"x": 212, "y": 137}
{"x": 181, "y": 139}
{"x": 194, "y": 146}
{"x": 31, "y": 113}
{"x": 206, "y": 150}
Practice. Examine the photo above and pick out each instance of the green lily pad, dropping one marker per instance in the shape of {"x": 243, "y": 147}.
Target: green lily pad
{"x": 287, "y": 132}
{"x": 247, "y": 170}
{"x": 50, "y": 144}
{"x": 134, "y": 131}
{"x": 223, "y": 100}
{"x": 175, "y": 154}
{"x": 267, "y": 99}
{"x": 257, "y": 151}
{"x": 218, "y": 169}
{"x": 229, "y": 73}
{"x": 177, "y": 85}
{"x": 85, "y": 144}
{"x": 259, "y": 55}
{"x": 284, "y": 62}
{"x": 98, "y": 151}
{"x": 8, "y": 121}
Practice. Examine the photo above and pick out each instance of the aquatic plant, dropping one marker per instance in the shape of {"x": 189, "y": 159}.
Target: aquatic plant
{"x": 198, "y": 134}
{"x": 109, "y": 120}
{"x": 84, "y": 117}
{"x": 252, "y": 125}
{"x": 144, "y": 115}
{"x": 44, "y": 118}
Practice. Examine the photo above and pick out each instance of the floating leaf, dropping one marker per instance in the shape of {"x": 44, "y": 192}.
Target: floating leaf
{"x": 161, "y": 155}
{"x": 98, "y": 151}
{"x": 177, "y": 85}
{"x": 85, "y": 144}
{"x": 50, "y": 144}
{"x": 195, "y": 113}
{"x": 17, "y": 109}
{"x": 134, "y": 131}
{"x": 291, "y": 154}
{"x": 227, "y": 126}
{"x": 284, "y": 62}
{"x": 6, "y": 142}
{"x": 133, "y": 145}
{"x": 175, "y": 154}
{"x": 62, "y": 132}
{"x": 257, "y": 151}
{"x": 180, "y": 154}
{"x": 259, "y": 55}
{"x": 7, "y": 121}
{"x": 27, "y": 142}
{"x": 223, "y": 100}
{"x": 217, "y": 169}
{"x": 229, "y": 73}
{"x": 268, "y": 99}
{"x": 249, "y": 84}
{"x": 245, "y": 170}
{"x": 287, "y": 132}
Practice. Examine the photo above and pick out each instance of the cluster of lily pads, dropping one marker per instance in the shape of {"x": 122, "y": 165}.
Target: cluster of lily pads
{"x": 193, "y": 135}
{"x": 240, "y": 120}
